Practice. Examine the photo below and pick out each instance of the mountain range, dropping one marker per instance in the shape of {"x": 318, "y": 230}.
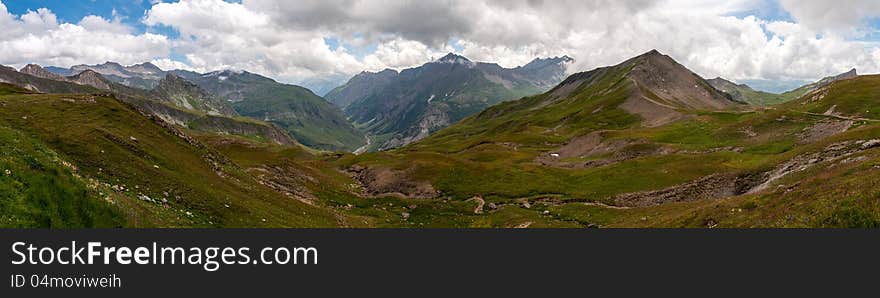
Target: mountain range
{"x": 144, "y": 75}
{"x": 305, "y": 116}
{"x": 397, "y": 108}
{"x": 174, "y": 100}
{"x": 643, "y": 143}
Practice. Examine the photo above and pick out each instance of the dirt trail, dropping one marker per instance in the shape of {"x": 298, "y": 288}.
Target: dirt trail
{"x": 841, "y": 117}
{"x": 597, "y": 204}
{"x": 523, "y": 225}
{"x": 480, "y": 204}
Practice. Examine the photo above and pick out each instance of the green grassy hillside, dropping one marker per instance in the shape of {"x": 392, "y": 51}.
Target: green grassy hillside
{"x": 39, "y": 189}
{"x": 310, "y": 119}
{"x": 155, "y": 175}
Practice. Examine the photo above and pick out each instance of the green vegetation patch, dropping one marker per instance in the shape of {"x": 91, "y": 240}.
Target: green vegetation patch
{"x": 38, "y": 190}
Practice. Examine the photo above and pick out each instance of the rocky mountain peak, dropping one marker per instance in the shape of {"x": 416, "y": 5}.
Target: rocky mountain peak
{"x": 674, "y": 83}
{"x": 173, "y": 79}
{"x": 852, "y": 73}
{"x": 545, "y": 62}
{"x": 112, "y": 64}
{"x": 654, "y": 56}
{"x": 31, "y": 67}
{"x": 386, "y": 73}
{"x": 89, "y": 77}
{"x": 145, "y": 67}
{"x": 453, "y": 58}
{"x": 40, "y": 72}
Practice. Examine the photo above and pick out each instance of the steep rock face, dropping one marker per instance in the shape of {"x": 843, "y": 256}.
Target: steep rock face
{"x": 40, "y": 72}
{"x": 407, "y": 106}
{"x": 433, "y": 120}
{"x": 180, "y": 92}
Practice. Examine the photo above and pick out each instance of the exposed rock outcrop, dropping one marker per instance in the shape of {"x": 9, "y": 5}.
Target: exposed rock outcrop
{"x": 725, "y": 185}
{"x": 378, "y": 182}
{"x": 40, "y": 72}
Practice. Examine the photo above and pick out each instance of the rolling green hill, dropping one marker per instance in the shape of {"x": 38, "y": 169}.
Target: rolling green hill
{"x": 39, "y": 189}
{"x": 147, "y": 172}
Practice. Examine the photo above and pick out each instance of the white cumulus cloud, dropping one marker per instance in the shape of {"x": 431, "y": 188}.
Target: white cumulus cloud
{"x": 38, "y": 37}
{"x": 326, "y": 38}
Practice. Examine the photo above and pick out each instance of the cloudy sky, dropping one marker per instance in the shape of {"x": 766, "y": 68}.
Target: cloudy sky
{"x": 772, "y": 44}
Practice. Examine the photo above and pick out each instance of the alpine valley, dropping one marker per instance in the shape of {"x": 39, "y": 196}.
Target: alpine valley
{"x": 451, "y": 143}
{"x": 398, "y": 108}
